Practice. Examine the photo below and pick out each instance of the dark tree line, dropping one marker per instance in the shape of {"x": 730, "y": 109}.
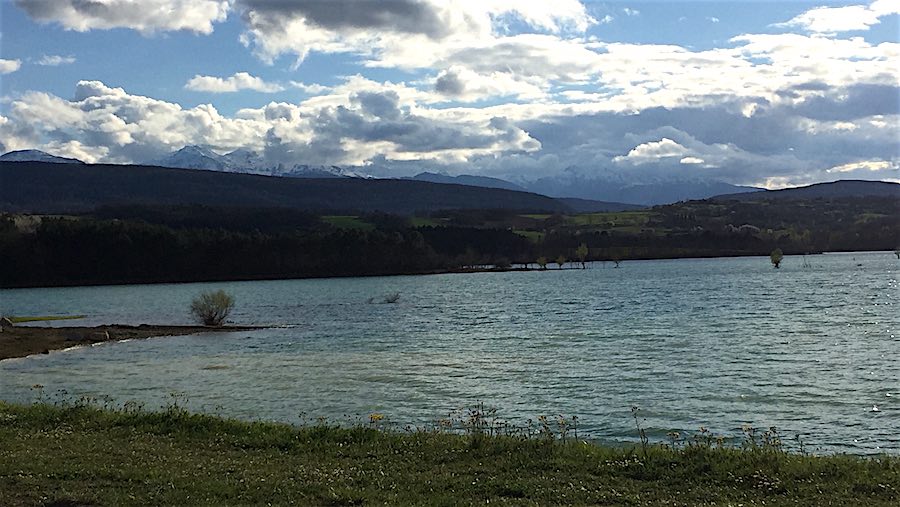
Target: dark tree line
{"x": 137, "y": 244}
{"x": 65, "y": 251}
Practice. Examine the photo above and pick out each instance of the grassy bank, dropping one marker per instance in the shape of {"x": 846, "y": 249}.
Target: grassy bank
{"x": 85, "y": 455}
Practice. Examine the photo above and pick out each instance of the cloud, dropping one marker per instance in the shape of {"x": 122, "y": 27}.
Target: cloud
{"x": 829, "y": 20}
{"x": 146, "y": 16}
{"x": 399, "y": 30}
{"x": 9, "y": 66}
{"x": 713, "y": 19}
{"x": 767, "y": 109}
{"x": 237, "y": 82}
{"x": 360, "y": 122}
{"x": 653, "y": 151}
{"x": 865, "y": 165}
{"x": 312, "y": 88}
{"x": 462, "y": 84}
{"x": 631, "y": 12}
{"x": 55, "y": 60}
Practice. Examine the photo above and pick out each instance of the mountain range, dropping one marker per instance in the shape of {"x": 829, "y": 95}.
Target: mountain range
{"x": 834, "y": 189}
{"x": 36, "y": 156}
{"x": 45, "y": 187}
{"x": 607, "y": 187}
{"x": 246, "y": 161}
{"x": 577, "y": 190}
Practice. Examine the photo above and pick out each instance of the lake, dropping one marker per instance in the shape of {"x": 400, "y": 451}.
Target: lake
{"x": 811, "y": 348}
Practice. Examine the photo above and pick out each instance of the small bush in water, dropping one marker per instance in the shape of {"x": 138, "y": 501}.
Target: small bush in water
{"x": 212, "y": 308}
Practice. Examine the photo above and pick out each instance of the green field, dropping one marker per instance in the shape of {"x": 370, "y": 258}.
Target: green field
{"x": 533, "y": 236}
{"x": 424, "y": 222}
{"x": 79, "y": 455}
{"x": 618, "y": 219}
{"x": 347, "y": 222}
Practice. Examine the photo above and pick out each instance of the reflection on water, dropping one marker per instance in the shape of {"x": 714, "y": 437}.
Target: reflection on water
{"x": 719, "y": 343}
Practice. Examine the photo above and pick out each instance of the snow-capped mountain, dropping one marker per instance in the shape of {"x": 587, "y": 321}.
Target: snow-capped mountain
{"x": 248, "y": 161}
{"x": 36, "y": 156}
{"x": 243, "y": 160}
{"x": 575, "y": 182}
{"x": 193, "y": 157}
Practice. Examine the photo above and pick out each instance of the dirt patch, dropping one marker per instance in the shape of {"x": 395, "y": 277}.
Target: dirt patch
{"x": 21, "y": 341}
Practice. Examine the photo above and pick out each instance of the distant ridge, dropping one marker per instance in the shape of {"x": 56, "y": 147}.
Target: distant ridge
{"x": 842, "y": 188}
{"x": 617, "y": 187}
{"x": 590, "y": 206}
{"x": 468, "y": 179}
{"x": 36, "y": 156}
{"x": 40, "y": 187}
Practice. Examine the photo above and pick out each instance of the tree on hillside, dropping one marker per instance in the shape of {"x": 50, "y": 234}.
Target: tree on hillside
{"x": 582, "y": 253}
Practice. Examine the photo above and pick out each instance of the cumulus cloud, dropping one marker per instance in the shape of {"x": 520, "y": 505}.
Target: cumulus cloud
{"x": 865, "y": 165}
{"x": 843, "y": 19}
{"x": 9, "y": 66}
{"x": 146, "y": 16}
{"x": 766, "y": 109}
{"x": 462, "y": 84}
{"x": 403, "y": 30}
{"x": 653, "y": 151}
{"x": 237, "y": 82}
{"x": 360, "y": 122}
{"x": 55, "y": 60}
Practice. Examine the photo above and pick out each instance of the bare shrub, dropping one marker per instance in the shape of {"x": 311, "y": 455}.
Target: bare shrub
{"x": 212, "y": 307}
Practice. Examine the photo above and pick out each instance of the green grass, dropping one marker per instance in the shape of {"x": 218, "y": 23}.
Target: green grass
{"x": 126, "y": 457}
{"x": 44, "y": 318}
{"x": 619, "y": 219}
{"x": 424, "y": 222}
{"x": 347, "y": 222}
{"x": 534, "y": 236}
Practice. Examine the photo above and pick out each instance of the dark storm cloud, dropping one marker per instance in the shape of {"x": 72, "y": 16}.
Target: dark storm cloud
{"x": 382, "y": 105}
{"x": 449, "y": 83}
{"x": 858, "y": 101}
{"x": 377, "y": 117}
{"x": 196, "y": 15}
{"x": 405, "y": 16}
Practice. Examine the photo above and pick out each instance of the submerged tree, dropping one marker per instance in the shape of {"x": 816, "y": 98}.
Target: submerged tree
{"x": 776, "y": 256}
{"x": 212, "y": 308}
{"x": 582, "y": 253}
{"x": 560, "y": 261}
{"x": 542, "y": 262}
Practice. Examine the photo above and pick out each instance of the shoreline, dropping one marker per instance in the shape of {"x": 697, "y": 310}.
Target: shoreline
{"x": 450, "y": 271}
{"x": 24, "y": 341}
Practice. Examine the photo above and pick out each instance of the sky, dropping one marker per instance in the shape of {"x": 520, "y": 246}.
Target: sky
{"x": 770, "y": 94}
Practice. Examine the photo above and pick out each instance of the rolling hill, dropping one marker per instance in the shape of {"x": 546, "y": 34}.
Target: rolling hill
{"x": 40, "y": 187}
{"x": 836, "y": 189}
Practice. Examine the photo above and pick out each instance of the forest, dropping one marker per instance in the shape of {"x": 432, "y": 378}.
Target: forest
{"x": 181, "y": 243}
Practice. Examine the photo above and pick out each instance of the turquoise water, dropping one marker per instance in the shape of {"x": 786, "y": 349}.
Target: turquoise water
{"x": 718, "y": 343}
